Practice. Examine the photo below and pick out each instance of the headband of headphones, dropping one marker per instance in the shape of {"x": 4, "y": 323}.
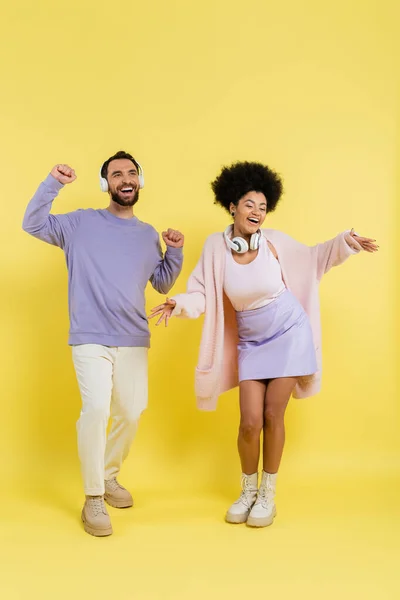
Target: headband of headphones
{"x": 104, "y": 182}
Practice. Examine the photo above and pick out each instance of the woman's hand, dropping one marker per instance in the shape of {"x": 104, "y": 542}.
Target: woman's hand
{"x": 164, "y": 310}
{"x": 366, "y": 244}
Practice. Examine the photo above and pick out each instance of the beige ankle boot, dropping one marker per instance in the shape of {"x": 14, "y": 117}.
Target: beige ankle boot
{"x": 95, "y": 517}
{"x": 116, "y": 495}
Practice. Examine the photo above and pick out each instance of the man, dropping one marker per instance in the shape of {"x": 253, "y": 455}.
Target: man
{"x": 111, "y": 256}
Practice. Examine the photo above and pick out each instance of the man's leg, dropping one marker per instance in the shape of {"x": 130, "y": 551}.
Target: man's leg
{"x": 94, "y": 368}
{"x": 129, "y": 399}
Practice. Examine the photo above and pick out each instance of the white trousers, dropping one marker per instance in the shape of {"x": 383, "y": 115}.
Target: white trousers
{"x": 113, "y": 382}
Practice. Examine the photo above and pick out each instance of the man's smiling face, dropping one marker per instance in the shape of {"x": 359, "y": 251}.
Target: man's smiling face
{"x": 123, "y": 181}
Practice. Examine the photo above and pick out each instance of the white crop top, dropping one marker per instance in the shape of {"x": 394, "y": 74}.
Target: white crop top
{"x": 256, "y": 284}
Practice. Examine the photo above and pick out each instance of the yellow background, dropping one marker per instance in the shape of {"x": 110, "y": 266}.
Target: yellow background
{"x": 311, "y": 88}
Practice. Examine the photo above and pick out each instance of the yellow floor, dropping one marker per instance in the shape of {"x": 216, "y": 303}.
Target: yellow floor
{"x": 332, "y": 539}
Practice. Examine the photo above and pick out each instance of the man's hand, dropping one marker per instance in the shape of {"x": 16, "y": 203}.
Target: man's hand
{"x": 173, "y": 238}
{"x": 63, "y": 173}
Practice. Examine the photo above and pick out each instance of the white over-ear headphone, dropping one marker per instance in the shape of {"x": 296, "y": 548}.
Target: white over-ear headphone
{"x": 240, "y": 245}
{"x": 104, "y": 182}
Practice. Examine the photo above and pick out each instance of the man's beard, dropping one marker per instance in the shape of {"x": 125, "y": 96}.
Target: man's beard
{"x": 116, "y": 198}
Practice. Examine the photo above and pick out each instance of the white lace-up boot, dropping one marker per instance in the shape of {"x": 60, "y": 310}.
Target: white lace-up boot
{"x": 239, "y": 511}
{"x": 263, "y": 512}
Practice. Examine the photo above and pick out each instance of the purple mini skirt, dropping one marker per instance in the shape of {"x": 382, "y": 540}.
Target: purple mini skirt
{"x": 275, "y": 341}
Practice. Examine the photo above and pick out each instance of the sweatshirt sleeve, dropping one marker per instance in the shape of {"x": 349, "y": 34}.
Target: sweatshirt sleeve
{"x": 334, "y": 252}
{"x": 53, "y": 229}
{"x": 168, "y": 269}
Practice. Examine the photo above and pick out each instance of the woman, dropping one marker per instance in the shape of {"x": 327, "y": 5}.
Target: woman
{"x": 258, "y": 289}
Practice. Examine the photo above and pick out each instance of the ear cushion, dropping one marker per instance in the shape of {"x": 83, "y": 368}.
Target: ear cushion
{"x": 255, "y": 241}
{"x": 239, "y": 245}
{"x": 141, "y": 175}
{"x": 103, "y": 184}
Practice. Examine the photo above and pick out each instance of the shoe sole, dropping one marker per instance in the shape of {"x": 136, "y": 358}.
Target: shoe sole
{"x": 96, "y": 532}
{"x": 254, "y": 522}
{"x": 236, "y": 519}
{"x": 118, "y": 503}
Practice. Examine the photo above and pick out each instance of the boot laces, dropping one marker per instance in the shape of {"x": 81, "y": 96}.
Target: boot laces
{"x": 247, "y": 495}
{"x": 113, "y": 485}
{"x": 265, "y": 494}
{"x": 96, "y": 505}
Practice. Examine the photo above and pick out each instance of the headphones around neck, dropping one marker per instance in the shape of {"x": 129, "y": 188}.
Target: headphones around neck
{"x": 240, "y": 245}
{"x": 104, "y": 182}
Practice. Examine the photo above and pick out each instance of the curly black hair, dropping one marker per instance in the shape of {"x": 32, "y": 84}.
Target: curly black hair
{"x": 242, "y": 177}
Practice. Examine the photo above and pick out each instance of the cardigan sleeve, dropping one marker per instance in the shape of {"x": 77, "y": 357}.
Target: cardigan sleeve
{"x": 192, "y": 304}
{"x": 334, "y": 252}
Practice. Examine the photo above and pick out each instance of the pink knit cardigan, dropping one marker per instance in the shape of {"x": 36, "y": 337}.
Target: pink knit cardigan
{"x": 302, "y": 269}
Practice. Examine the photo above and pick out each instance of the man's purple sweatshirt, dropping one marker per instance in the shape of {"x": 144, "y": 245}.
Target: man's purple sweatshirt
{"x": 109, "y": 260}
